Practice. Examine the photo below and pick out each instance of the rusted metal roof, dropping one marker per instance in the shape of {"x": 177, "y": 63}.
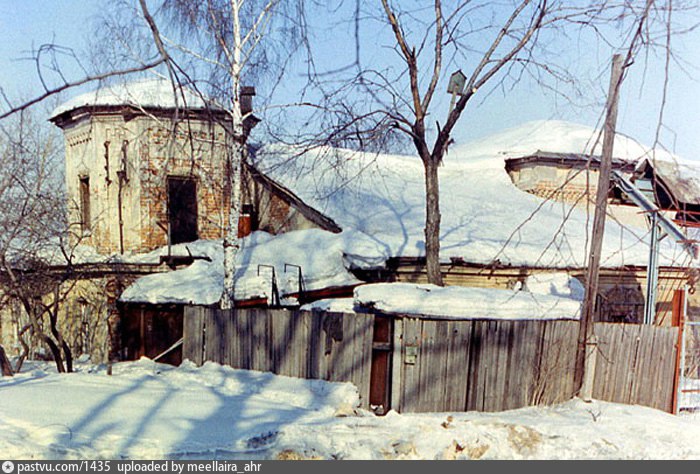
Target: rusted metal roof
{"x": 569, "y": 160}
{"x": 679, "y": 178}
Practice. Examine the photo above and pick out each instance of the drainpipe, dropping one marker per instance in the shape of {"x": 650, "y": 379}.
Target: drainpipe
{"x": 121, "y": 175}
{"x": 121, "y": 220}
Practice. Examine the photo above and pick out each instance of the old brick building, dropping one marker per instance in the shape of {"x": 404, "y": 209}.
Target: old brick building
{"x": 139, "y": 167}
{"x": 145, "y": 165}
{"x": 572, "y": 178}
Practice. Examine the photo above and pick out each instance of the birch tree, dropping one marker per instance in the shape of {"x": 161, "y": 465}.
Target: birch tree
{"x": 223, "y": 43}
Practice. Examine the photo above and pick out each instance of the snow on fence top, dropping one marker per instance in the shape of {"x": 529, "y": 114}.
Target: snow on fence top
{"x": 155, "y": 93}
{"x": 555, "y": 296}
{"x": 456, "y": 302}
{"x": 380, "y": 200}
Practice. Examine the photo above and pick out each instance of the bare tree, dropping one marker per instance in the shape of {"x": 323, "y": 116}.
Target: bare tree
{"x": 34, "y": 243}
{"x": 497, "y": 44}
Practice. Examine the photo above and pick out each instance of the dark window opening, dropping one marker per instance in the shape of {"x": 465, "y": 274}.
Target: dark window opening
{"x": 182, "y": 210}
{"x": 151, "y": 332}
{"x": 85, "y": 203}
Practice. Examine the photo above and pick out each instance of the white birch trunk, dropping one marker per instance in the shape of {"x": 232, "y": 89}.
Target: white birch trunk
{"x": 236, "y": 147}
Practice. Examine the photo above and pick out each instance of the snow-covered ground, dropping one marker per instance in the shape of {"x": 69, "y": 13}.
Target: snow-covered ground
{"x": 147, "y": 410}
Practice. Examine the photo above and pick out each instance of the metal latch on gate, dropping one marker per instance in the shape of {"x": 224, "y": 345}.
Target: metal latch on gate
{"x": 411, "y": 355}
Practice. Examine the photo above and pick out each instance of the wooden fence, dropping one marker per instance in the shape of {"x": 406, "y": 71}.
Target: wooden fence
{"x": 635, "y": 364}
{"x": 328, "y": 346}
{"x": 483, "y": 365}
{"x": 438, "y": 365}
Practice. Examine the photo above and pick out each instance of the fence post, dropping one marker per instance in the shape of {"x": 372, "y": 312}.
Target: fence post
{"x": 589, "y": 368}
{"x": 680, "y": 300}
{"x": 397, "y": 366}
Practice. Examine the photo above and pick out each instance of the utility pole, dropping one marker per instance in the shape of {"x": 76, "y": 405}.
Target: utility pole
{"x": 592, "y": 274}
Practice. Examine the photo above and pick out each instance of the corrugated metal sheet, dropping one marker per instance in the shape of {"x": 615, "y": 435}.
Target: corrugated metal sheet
{"x": 679, "y": 178}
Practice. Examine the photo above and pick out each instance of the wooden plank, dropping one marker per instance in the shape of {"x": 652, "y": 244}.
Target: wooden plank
{"x": 426, "y": 336}
{"x": 366, "y": 337}
{"x": 411, "y": 381}
{"x": 341, "y": 358}
{"x": 492, "y": 390}
{"x": 328, "y": 344}
{"x": 228, "y": 337}
{"x": 673, "y": 337}
{"x": 568, "y": 358}
{"x": 555, "y": 380}
{"x": 504, "y": 347}
{"x": 508, "y": 362}
{"x": 639, "y": 394}
{"x": 484, "y": 369}
{"x": 457, "y": 371}
{"x": 299, "y": 345}
{"x": 251, "y": 319}
{"x": 212, "y": 349}
{"x": 235, "y": 336}
{"x": 316, "y": 344}
{"x": 539, "y": 377}
{"x": 276, "y": 342}
{"x": 193, "y": 334}
{"x": 261, "y": 340}
{"x": 534, "y": 335}
{"x": 442, "y": 336}
{"x": 557, "y": 362}
{"x": 646, "y": 388}
{"x": 665, "y": 368}
{"x": 632, "y": 359}
{"x": 284, "y": 327}
{"x": 654, "y": 391}
{"x": 608, "y": 346}
{"x": 519, "y": 367}
{"x": 475, "y": 382}
{"x": 357, "y": 367}
{"x": 653, "y": 397}
{"x": 603, "y": 361}
{"x": 243, "y": 336}
{"x": 396, "y": 364}
{"x": 622, "y": 362}
{"x": 429, "y": 373}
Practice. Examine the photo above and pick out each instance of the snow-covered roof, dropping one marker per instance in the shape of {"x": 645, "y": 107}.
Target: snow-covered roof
{"x": 380, "y": 201}
{"x": 146, "y": 93}
{"x": 318, "y": 253}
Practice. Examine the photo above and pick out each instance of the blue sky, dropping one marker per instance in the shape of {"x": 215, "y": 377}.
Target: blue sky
{"x": 27, "y": 24}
